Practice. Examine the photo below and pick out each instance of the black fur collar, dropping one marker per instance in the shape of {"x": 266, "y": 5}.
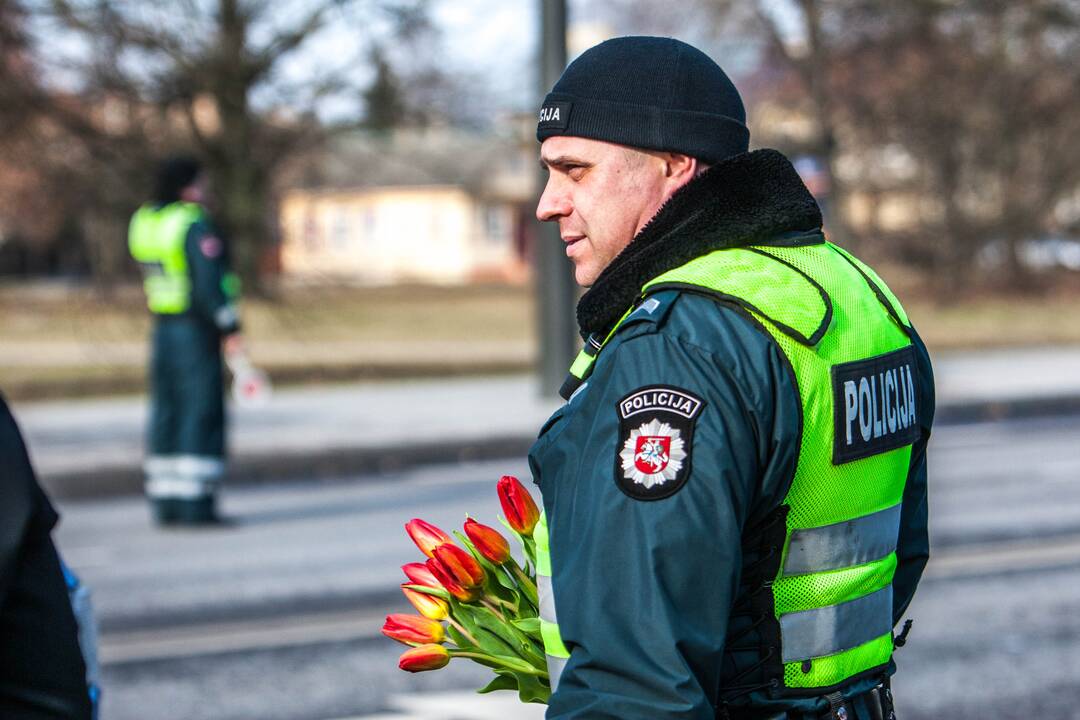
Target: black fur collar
{"x": 747, "y": 199}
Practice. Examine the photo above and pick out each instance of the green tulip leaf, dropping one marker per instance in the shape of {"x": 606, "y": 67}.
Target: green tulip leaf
{"x": 437, "y": 592}
{"x": 460, "y": 640}
{"x": 501, "y": 682}
{"x": 465, "y": 615}
{"x": 520, "y": 643}
{"x": 530, "y": 626}
{"x": 505, "y": 580}
{"x": 532, "y": 689}
{"x": 493, "y": 644}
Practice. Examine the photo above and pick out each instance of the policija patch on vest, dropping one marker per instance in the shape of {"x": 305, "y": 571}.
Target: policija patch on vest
{"x": 656, "y": 433}
{"x": 874, "y": 405}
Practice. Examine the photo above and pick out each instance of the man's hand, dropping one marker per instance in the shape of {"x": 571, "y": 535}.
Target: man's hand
{"x": 234, "y": 345}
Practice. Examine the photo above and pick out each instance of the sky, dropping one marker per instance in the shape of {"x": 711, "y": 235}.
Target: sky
{"x": 490, "y": 46}
{"x": 497, "y": 39}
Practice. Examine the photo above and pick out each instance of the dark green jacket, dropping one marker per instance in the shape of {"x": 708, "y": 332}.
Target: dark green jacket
{"x": 208, "y": 263}
{"x": 42, "y": 674}
{"x": 645, "y": 590}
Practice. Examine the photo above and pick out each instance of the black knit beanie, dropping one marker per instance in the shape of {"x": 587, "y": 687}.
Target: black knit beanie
{"x": 651, "y": 93}
{"x": 173, "y": 175}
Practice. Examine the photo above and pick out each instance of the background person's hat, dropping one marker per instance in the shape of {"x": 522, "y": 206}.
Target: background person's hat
{"x": 651, "y": 93}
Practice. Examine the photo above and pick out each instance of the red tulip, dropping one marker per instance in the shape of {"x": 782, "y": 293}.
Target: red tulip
{"x": 518, "y": 506}
{"x": 424, "y": 657}
{"x": 429, "y": 606}
{"x": 459, "y": 565}
{"x": 488, "y": 541}
{"x": 426, "y": 536}
{"x": 419, "y": 574}
{"x": 464, "y": 594}
{"x": 413, "y": 630}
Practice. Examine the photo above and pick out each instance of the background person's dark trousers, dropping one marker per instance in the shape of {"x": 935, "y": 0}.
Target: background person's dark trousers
{"x": 186, "y": 458}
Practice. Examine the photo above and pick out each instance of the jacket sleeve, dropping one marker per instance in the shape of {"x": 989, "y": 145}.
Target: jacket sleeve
{"x": 213, "y": 296}
{"x": 17, "y": 499}
{"x": 643, "y": 588}
{"x": 44, "y": 674}
{"x": 913, "y": 543}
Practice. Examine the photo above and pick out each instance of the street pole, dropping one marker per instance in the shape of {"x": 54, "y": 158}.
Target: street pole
{"x": 556, "y": 294}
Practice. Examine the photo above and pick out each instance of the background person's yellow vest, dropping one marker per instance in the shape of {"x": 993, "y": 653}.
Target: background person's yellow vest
{"x": 156, "y": 240}
{"x": 846, "y": 337}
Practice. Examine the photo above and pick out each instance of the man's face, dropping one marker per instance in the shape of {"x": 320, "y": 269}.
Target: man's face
{"x": 601, "y": 194}
{"x": 198, "y": 191}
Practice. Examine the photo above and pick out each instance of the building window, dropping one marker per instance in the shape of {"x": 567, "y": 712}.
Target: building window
{"x": 494, "y": 224}
{"x": 340, "y": 232}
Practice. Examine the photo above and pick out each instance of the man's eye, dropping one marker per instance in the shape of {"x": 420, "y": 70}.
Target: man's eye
{"x": 575, "y": 172}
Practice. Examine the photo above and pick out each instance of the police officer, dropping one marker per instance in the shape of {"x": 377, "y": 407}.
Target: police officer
{"x": 735, "y": 491}
{"x": 42, "y": 672}
{"x": 192, "y": 295}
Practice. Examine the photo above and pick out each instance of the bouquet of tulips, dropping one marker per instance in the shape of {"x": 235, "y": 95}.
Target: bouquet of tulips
{"x": 488, "y": 601}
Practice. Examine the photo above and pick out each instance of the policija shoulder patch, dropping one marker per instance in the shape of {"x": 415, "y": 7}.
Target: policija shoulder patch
{"x": 874, "y": 405}
{"x": 656, "y": 433}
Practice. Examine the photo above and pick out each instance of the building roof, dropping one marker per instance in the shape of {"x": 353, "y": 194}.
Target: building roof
{"x": 488, "y": 166}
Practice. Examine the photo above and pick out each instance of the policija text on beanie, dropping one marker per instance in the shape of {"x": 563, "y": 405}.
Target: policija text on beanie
{"x": 650, "y": 93}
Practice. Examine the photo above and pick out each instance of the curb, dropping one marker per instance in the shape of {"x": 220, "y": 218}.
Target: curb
{"x": 313, "y": 465}
{"x": 360, "y": 463}
{"x": 132, "y": 381}
{"x": 965, "y": 413}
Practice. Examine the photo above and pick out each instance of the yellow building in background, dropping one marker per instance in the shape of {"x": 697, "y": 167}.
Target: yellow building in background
{"x": 401, "y": 210}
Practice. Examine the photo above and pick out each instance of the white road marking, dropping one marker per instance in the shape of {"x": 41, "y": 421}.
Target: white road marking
{"x": 1003, "y": 556}
{"x": 284, "y": 631}
{"x": 311, "y": 628}
{"x": 458, "y": 706}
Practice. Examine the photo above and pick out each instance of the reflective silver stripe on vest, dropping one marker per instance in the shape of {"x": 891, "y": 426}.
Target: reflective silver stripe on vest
{"x": 547, "y": 599}
{"x": 555, "y": 664}
{"x": 843, "y": 544}
{"x": 829, "y": 630}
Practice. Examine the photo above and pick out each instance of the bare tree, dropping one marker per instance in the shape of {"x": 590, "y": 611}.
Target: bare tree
{"x": 32, "y": 202}
{"x": 217, "y": 74}
{"x": 807, "y": 51}
{"x": 982, "y": 95}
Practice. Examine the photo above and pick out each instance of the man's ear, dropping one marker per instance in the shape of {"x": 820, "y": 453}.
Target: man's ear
{"x": 680, "y": 168}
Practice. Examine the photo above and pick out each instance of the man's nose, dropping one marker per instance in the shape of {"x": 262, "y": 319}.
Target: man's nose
{"x": 553, "y": 203}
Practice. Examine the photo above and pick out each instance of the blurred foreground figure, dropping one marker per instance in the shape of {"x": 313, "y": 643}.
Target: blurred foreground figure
{"x": 42, "y": 672}
{"x": 192, "y": 294}
{"x": 735, "y": 491}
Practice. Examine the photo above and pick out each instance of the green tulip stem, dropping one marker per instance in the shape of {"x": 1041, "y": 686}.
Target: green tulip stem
{"x": 529, "y": 545}
{"x": 521, "y": 667}
{"x": 527, "y": 584}
{"x": 461, "y": 629}
{"x": 506, "y": 604}
{"x": 493, "y": 608}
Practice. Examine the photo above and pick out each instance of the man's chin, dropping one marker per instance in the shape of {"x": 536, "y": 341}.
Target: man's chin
{"x": 583, "y": 277}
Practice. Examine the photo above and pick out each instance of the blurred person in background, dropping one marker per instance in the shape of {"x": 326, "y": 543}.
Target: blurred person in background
{"x": 193, "y": 295}
{"x": 735, "y": 491}
{"x": 42, "y": 670}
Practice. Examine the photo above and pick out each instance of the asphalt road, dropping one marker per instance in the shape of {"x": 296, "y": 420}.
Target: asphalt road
{"x": 276, "y": 616}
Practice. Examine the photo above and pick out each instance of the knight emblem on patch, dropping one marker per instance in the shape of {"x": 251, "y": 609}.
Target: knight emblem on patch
{"x": 656, "y": 428}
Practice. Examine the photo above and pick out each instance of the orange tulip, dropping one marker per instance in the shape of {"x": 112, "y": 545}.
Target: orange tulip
{"x": 413, "y": 630}
{"x": 429, "y": 606}
{"x": 518, "y": 506}
{"x": 424, "y": 657}
{"x": 459, "y": 565}
{"x": 488, "y": 541}
{"x": 464, "y": 594}
{"x": 419, "y": 574}
{"x": 426, "y": 536}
